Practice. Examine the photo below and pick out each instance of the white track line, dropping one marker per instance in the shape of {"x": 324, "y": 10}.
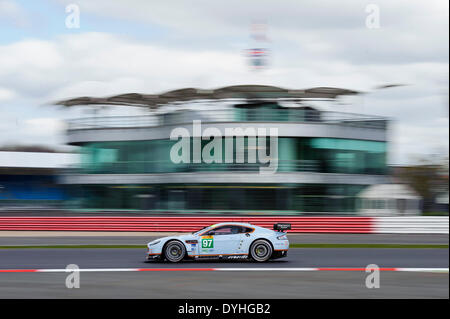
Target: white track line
{"x": 266, "y": 269}
{"x": 424, "y": 269}
{"x": 89, "y": 270}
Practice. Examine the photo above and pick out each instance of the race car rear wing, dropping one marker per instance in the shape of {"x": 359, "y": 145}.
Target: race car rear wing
{"x": 281, "y": 227}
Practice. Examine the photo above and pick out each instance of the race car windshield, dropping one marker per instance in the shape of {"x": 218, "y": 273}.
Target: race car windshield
{"x": 198, "y": 231}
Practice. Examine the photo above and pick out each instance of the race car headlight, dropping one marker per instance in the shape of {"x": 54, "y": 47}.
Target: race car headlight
{"x": 282, "y": 237}
{"x": 154, "y": 243}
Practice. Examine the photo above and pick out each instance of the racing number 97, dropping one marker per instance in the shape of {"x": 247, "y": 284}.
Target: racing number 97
{"x": 207, "y": 243}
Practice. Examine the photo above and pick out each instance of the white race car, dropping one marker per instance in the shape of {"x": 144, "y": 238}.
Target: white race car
{"x": 223, "y": 241}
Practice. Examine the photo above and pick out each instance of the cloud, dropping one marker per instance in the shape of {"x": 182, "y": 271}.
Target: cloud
{"x": 410, "y": 31}
{"x": 12, "y": 14}
{"x": 225, "y": 17}
{"x": 410, "y": 142}
{"x": 6, "y": 95}
{"x": 44, "y": 126}
{"x": 321, "y": 43}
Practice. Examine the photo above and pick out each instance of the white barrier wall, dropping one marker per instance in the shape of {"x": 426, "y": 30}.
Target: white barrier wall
{"x": 411, "y": 225}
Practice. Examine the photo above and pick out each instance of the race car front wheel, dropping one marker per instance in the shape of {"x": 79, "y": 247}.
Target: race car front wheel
{"x": 261, "y": 250}
{"x": 174, "y": 251}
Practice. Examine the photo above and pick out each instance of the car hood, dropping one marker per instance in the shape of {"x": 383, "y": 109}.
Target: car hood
{"x": 182, "y": 237}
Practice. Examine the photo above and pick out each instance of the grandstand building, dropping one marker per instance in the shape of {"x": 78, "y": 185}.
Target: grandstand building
{"x": 325, "y": 157}
{"x": 29, "y": 179}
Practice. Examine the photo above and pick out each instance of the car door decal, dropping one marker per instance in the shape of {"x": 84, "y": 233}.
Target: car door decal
{"x": 207, "y": 242}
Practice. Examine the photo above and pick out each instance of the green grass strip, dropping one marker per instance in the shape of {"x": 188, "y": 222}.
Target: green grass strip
{"x": 444, "y": 246}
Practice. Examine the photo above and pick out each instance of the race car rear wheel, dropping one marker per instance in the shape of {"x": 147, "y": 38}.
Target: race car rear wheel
{"x": 261, "y": 250}
{"x": 174, "y": 251}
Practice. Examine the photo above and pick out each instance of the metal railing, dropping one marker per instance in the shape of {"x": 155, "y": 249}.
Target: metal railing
{"x": 155, "y": 167}
{"x": 231, "y": 115}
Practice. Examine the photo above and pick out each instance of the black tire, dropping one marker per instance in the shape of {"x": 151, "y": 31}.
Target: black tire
{"x": 174, "y": 251}
{"x": 261, "y": 250}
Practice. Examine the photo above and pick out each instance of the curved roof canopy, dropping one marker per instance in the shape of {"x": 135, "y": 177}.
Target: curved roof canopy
{"x": 249, "y": 92}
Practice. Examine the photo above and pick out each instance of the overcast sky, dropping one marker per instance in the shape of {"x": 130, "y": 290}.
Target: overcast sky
{"x": 152, "y": 46}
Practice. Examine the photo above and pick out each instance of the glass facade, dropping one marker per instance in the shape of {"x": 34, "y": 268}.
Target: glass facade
{"x": 273, "y": 112}
{"x": 295, "y": 154}
{"x": 223, "y": 198}
{"x": 324, "y": 155}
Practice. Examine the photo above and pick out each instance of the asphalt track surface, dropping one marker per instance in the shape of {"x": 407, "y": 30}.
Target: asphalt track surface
{"x": 42, "y": 258}
{"x": 225, "y": 285}
{"x": 249, "y": 284}
{"x": 216, "y": 284}
{"x": 40, "y": 238}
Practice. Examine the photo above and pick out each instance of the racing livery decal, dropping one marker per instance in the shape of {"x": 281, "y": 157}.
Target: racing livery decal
{"x": 207, "y": 242}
